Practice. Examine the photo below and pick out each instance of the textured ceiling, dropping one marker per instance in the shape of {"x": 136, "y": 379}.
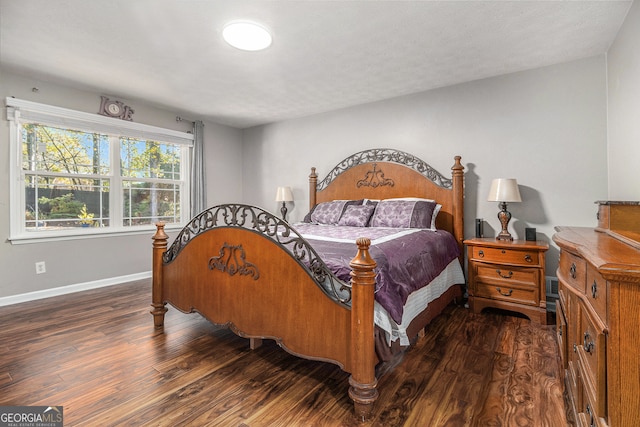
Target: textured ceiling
{"x": 325, "y": 55}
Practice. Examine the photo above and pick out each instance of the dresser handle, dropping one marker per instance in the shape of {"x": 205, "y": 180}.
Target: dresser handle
{"x": 572, "y": 270}
{"x": 560, "y": 330}
{"x": 528, "y": 258}
{"x": 481, "y": 254}
{"x": 592, "y": 421}
{"x": 587, "y": 344}
{"x": 575, "y": 348}
{"x": 506, "y": 294}
{"x": 594, "y": 290}
{"x": 505, "y": 276}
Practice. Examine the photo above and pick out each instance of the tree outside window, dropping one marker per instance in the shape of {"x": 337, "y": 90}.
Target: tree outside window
{"x": 70, "y": 181}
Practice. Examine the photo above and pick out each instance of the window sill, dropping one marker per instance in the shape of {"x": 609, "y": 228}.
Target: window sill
{"x": 52, "y": 236}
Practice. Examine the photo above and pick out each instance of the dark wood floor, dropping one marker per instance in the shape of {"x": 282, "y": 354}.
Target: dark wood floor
{"x": 97, "y": 354}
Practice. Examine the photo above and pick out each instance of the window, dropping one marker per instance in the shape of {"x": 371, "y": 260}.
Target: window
{"x": 79, "y": 174}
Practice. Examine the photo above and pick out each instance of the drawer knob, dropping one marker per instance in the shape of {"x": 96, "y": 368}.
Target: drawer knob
{"x": 589, "y": 411}
{"x": 587, "y": 344}
{"x": 572, "y": 270}
{"x": 481, "y": 254}
{"x": 528, "y": 258}
{"x": 560, "y": 330}
{"x": 505, "y": 276}
{"x": 594, "y": 290}
{"x": 506, "y": 294}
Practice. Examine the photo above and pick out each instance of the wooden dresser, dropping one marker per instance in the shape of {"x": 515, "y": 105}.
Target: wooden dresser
{"x": 598, "y": 316}
{"x": 507, "y": 275}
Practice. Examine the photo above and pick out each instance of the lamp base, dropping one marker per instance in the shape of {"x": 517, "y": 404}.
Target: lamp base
{"x": 504, "y": 236}
{"x": 283, "y": 211}
{"x": 504, "y": 216}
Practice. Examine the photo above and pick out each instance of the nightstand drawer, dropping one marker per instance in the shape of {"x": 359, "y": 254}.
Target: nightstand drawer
{"x": 506, "y": 256}
{"x": 573, "y": 270}
{"x": 527, "y": 295}
{"x": 507, "y": 275}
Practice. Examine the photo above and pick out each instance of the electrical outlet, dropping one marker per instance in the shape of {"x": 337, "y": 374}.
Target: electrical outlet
{"x": 41, "y": 267}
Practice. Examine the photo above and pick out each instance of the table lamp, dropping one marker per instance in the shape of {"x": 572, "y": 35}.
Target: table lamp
{"x": 504, "y": 190}
{"x": 284, "y": 195}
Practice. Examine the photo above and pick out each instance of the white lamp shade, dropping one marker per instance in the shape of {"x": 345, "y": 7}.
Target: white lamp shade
{"x": 284, "y": 194}
{"x": 504, "y": 190}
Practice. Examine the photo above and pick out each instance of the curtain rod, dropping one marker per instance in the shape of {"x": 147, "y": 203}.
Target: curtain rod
{"x": 181, "y": 119}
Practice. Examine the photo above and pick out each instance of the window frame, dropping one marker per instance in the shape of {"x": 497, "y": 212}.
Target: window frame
{"x": 21, "y": 111}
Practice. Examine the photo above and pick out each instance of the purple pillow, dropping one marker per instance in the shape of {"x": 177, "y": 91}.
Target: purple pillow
{"x": 356, "y": 215}
{"x": 405, "y": 214}
{"x": 329, "y": 212}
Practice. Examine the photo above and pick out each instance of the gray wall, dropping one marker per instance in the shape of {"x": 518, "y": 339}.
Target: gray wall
{"x": 623, "y": 67}
{"x": 100, "y": 260}
{"x": 545, "y": 127}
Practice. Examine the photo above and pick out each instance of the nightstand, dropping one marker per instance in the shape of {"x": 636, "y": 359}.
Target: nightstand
{"x": 508, "y": 275}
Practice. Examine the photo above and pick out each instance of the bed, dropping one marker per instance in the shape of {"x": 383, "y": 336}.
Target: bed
{"x": 245, "y": 268}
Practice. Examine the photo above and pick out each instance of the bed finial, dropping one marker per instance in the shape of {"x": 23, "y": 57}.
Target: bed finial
{"x": 157, "y": 299}
{"x": 363, "y": 380}
{"x": 457, "y": 175}
{"x": 313, "y": 183}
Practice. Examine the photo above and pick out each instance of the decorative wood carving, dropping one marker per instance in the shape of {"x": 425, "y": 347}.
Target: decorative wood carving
{"x": 375, "y": 178}
{"x": 232, "y": 260}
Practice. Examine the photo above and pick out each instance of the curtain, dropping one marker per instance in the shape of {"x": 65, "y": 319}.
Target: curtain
{"x": 198, "y": 189}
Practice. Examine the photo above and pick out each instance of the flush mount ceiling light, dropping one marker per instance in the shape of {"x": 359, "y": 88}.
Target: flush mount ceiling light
{"x": 246, "y": 35}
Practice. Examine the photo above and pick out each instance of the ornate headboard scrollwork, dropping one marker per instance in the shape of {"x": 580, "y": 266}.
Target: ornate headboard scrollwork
{"x": 386, "y": 155}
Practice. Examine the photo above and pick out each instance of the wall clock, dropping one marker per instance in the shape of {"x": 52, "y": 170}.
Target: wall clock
{"x": 116, "y": 109}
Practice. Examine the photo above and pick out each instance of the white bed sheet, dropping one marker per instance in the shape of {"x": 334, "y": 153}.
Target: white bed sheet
{"x": 416, "y": 303}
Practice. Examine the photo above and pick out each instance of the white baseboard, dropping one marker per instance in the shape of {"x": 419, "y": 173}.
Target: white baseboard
{"x": 47, "y": 293}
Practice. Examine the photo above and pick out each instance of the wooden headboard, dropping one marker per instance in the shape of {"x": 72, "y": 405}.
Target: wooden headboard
{"x": 386, "y": 173}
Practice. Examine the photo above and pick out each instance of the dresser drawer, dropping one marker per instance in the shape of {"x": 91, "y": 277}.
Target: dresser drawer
{"x": 563, "y": 299}
{"x": 505, "y": 275}
{"x": 561, "y": 335}
{"x": 589, "y": 417}
{"x": 573, "y": 270}
{"x": 518, "y": 294}
{"x": 592, "y": 362}
{"x": 574, "y": 386}
{"x": 597, "y": 292}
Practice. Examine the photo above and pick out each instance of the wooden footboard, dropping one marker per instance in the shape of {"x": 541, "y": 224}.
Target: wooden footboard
{"x": 242, "y": 267}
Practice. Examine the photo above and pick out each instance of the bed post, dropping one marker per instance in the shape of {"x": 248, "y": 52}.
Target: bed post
{"x": 363, "y": 380}
{"x": 313, "y": 182}
{"x": 458, "y": 203}
{"x": 157, "y": 299}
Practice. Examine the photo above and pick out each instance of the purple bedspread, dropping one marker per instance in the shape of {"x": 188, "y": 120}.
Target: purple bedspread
{"x": 408, "y": 259}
